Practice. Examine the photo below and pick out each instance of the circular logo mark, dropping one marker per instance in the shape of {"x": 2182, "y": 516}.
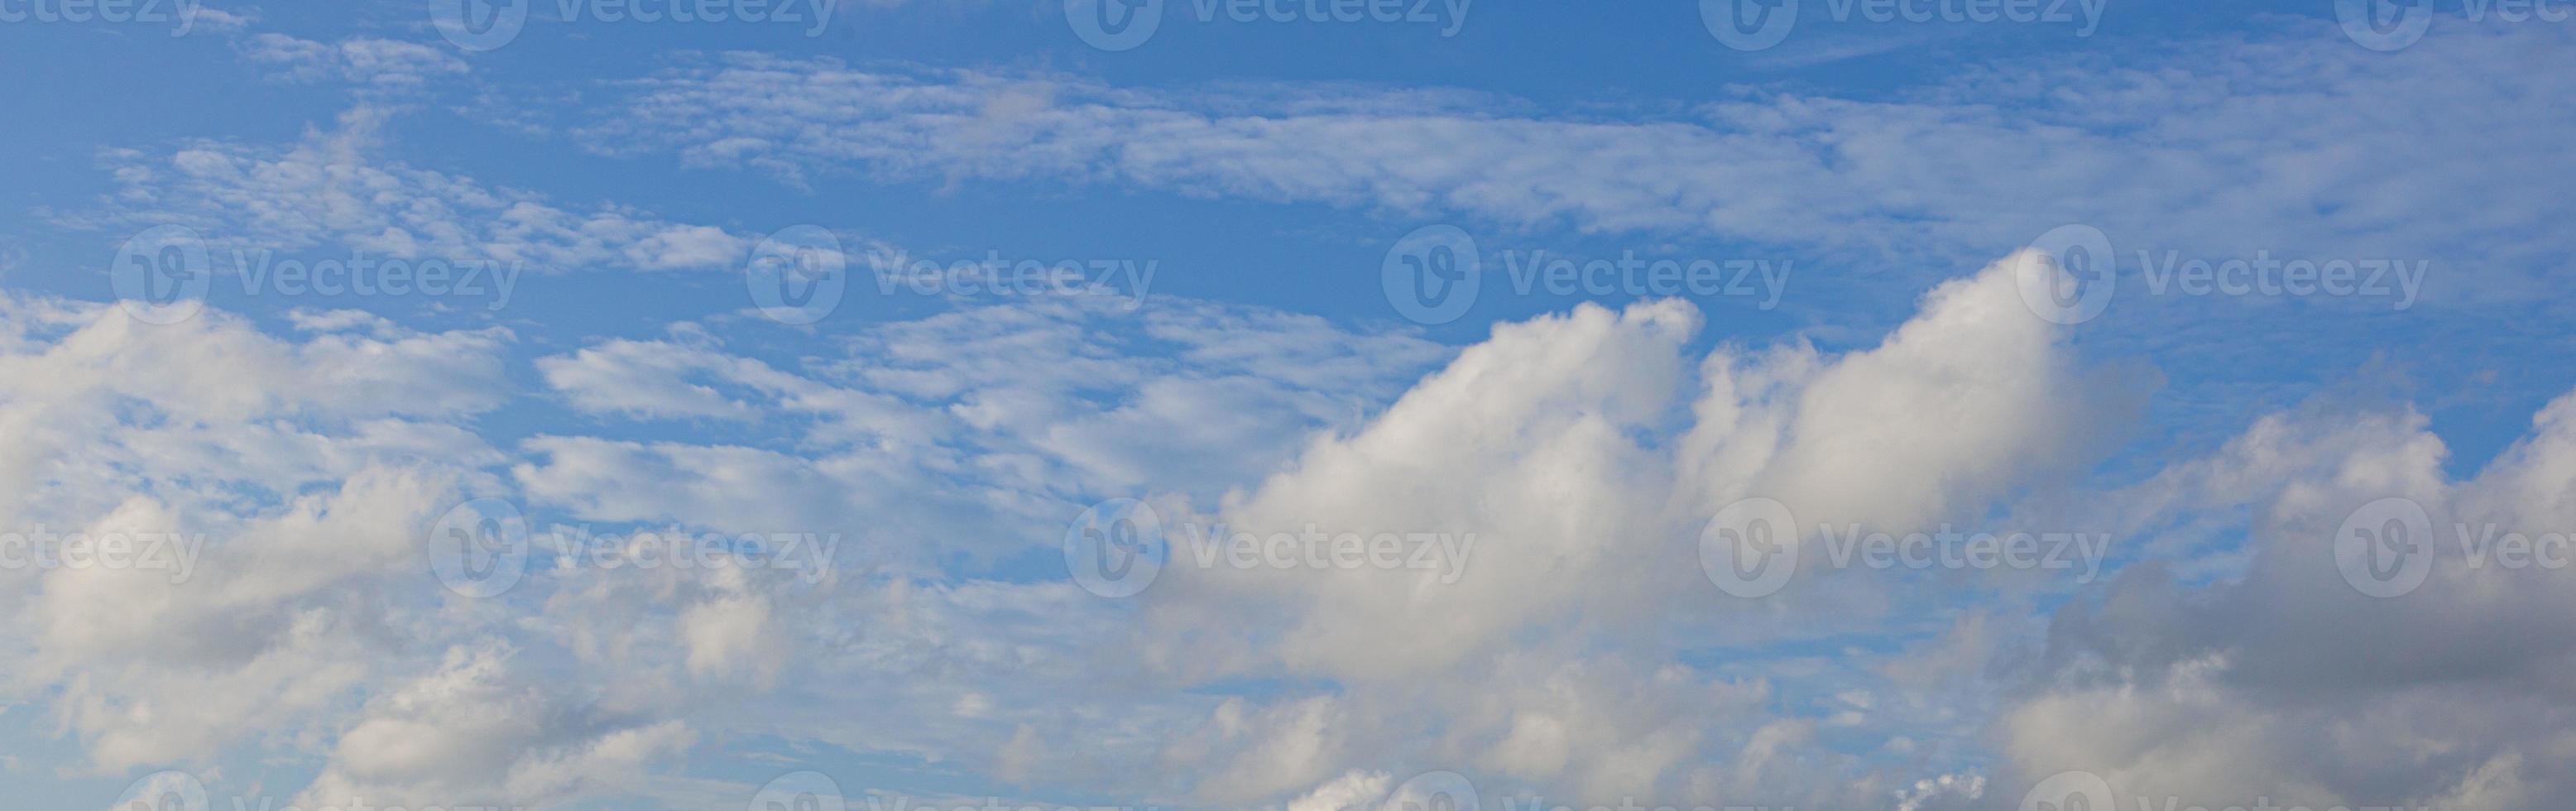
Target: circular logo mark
{"x": 1750, "y": 549}
{"x": 1431, "y": 275}
{"x": 1116, "y": 548}
{"x": 1114, "y": 25}
{"x": 163, "y": 791}
{"x": 798, "y": 274}
{"x": 2068, "y": 274}
{"x": 479, "y": 25}
{"x": 161, "y": 275}
{"x": 1749, "y": 25}
{"x": 480, "y": 548}
{"x": 2384, "y": 25}
{"x": 799, "y": 791}
{"x": 2385, "y": 549}
{"x": 1433, "y": 791}
{"x": 2069, "y": 791}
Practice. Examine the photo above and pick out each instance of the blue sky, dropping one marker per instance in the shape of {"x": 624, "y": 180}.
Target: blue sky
{"x": 1876, "y": 207}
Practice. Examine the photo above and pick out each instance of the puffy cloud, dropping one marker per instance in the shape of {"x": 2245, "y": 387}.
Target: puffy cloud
{"x": 2285, "y": 679}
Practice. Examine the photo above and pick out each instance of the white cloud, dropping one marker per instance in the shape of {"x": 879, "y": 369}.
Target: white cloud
{"x": 334, "y": 191}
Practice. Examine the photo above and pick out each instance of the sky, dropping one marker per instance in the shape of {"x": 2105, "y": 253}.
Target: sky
{"x": 1316, "y": 405}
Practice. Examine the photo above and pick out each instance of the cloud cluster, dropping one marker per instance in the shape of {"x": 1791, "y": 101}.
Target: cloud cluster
{"x": 2222, "y": 150}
